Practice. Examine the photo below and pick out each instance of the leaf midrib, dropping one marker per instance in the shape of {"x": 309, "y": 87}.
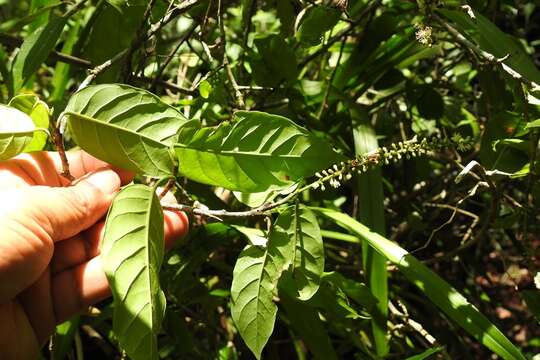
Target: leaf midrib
{"x": 233, "y": 153}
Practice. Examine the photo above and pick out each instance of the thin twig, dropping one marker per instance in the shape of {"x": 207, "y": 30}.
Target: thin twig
{"x": 228, "y": 69}
{"x": 93, "y": 73}
{"x": 59, "y": 145}
{"x": 330, "y": 81}
{"x": 361, "y": 17}
{"x": 486, "y": 55}
{"x": 139, "y": 39}
{"x": 166, "y": 189}
{"x": 169, "y": 58}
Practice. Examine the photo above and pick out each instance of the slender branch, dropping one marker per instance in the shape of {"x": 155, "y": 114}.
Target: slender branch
{"x": 140, "y": 37}
{"x": 93, "y": 73}
{"x": 74, "y": 8}
{"x": 173, "y": 52}
{"x": 228, "y": 69}
{"x": 332, "y": 176}
{"x": 59, "y": 145}
{"x": 324, "y": 103}
{"x": 167, "y": 85}
{"x": 324, "y": 49}
{"x": 486, "y": 55}
{"x": 171, "y": 15}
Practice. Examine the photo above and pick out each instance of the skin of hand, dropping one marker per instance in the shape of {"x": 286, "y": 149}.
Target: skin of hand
{"x": 50, "y": 268}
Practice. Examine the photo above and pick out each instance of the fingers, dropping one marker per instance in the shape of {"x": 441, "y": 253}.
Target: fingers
{"x": 85, "y": 246}
{"x": 44, "y": 168}
{"x": 79, "y": 280}
{"x": 75, "y": 289}
{"x": 65, "y": 212}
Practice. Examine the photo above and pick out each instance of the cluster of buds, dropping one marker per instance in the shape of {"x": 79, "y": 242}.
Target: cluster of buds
{"x": 395, "y": 152}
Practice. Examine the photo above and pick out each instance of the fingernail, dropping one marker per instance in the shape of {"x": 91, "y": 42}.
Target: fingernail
{"x": 105, "y": 180}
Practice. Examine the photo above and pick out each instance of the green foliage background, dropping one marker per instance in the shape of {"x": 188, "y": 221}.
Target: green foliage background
{"x": 361, "y": 177}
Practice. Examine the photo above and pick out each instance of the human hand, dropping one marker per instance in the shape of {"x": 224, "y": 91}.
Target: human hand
{"x": 50, "y": 267}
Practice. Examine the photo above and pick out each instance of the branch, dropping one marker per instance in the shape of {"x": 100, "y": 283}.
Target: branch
{"x": 486, "y": 55}
{"x": 139, "y": 39}
{"x": 333, "y": 176}
{"x": 228, "y": 69}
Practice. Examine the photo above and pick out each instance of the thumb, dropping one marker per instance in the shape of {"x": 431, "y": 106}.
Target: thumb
{"x": 65, "y": 212}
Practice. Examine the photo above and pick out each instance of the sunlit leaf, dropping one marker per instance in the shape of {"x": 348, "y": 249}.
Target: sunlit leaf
{"x": 315, "y": 22}
{"x": 252, "y": 154}
{"x": 16, "y": 131}
{"x": 35, "y": 50}
{"x": 39, "y": 113}
{"x": 125, "y": 126}
{"x": 307, "y": 261}
{"x": 255, "y": 278}
{"x": 132, "y": 252}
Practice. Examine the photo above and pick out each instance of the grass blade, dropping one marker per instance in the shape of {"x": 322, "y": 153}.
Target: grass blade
{"x": 442, "y": 294}
{"x": 371, "y": 213}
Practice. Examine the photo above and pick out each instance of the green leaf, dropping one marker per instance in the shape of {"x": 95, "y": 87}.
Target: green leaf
{"x": 125, "y": 126}
{"x": 306, "y": 323}
{"x": 442, "y": 294}
{"x": 425, "y": 354}
{"x": 315, "y": 22}
{"x": 307, "y": 261}
{"x": 371, "y": 213}
{"x": 205, "y": 88}
{"x": 37, "y": 14}
{"x": 277, "y": 61}
{"x": 532, "y": 299}
{"x": 255, "y": 277}
{"x": 39, "y": 113}
{"x": 491, "y": 39}
{"x": 430, "y": 103}
{"x": 62, "y": 70}
{"x": 63, "y": 338}
{"x": 132, "y": 252}
{"x": 35, "y": 50}
{"x": 113, "y": 29}
{"x": 16, "y": 131}
{"x": 533, "y": 124}
{"x": 253, "y": 154}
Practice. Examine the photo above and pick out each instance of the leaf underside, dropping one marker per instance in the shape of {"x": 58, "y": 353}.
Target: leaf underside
{"x": 16, "y": 132}
{"x": 125, "y": 126}
{"x": 132, "y": 251}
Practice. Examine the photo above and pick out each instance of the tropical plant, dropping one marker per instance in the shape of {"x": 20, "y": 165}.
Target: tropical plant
{"x": 310, "y": 143}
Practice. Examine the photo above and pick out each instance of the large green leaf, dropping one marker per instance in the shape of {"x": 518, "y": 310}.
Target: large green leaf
{"x": 491, "y": 39}
{"x": 255, "y": 152}
{"x": 132, "y": 252}
{"x": 16, "y": 131}
{"x": 442, "y": 294}
{"x": 308, "y": 258}
{"x": 63, "y": 338}
{"x": 315, "y": 22}
{"x": 255, "y": 277}
{"x": 39, "y": 113}
{"x": 35, "y": 50}
{"x": 306, "y": 323}
{"x": 125, "y": 126}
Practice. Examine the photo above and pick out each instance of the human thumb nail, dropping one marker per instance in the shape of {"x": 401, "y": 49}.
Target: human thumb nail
{"x": 106, "y": 180}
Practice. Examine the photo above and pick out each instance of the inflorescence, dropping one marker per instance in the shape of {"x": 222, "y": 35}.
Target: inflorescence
{"x": 395, "y": 152}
